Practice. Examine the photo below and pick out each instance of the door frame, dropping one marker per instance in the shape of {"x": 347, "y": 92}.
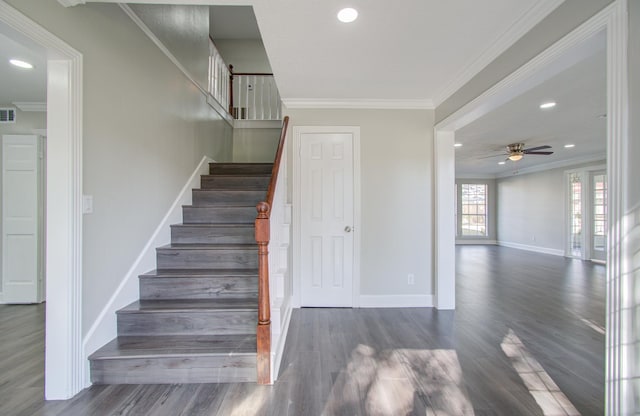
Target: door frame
{"x": 298, "y": 131}
{"x": 65, "y": 362}
{"x": 614, "y": 20}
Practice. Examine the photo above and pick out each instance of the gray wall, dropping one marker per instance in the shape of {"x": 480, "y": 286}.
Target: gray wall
{"x": 396, "y": 171}
{"x": 246, "y": 55}
{"x": 184, "y": 30}
{"x": 569, "y": 15}
{"x": 532, "y": 208}
{"x": 255, "y": 145}
{"x": 146, "y": 127}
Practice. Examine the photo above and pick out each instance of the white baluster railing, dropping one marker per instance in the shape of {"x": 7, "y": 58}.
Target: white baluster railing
{"x": 219, "y": 77}
{"x": 255, "y": 97}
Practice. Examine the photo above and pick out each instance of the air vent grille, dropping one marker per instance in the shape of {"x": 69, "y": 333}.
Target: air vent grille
{"x": 7, "y": 115}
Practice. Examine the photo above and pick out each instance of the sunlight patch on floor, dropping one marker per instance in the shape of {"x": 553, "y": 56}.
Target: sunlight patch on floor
{"x": 544, "y": 390}
{"x": 588, "y": 322}
{"x": 399, "y": 382}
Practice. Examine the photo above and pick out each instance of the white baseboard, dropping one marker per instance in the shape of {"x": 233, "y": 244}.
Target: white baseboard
{"x": 104, "y": 328}
{"x": 537, "y": 249}
{"x": 475, "y": 242}
{"x": 396, "y": 301}
{"x": 278, "y": 351}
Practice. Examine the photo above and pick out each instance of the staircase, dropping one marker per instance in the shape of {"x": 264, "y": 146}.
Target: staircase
{"x": 196, "y": 318}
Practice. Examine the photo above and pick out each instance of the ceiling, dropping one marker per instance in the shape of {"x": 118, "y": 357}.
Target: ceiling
{"x": 413, "y": 50}
{"x": 578, "y": 118}
{"x": 20, "y": 85}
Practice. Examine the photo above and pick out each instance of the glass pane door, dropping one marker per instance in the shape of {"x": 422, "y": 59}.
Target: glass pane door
{"x": 599, "y": 216}
{"x": 575, "y": 215}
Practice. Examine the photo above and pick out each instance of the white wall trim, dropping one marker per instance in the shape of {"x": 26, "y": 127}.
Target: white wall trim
{"x": 621, "y": 320}
{"x": 512, "y": 85}
{"x": 70, "y": 3}
{"x": 444, "y": 244}
{"x": 553, "y": 165}
{"x": 104, "y": 328}
{"x": 536, "y": 249}
{"x": 296, "y": 218}
{"x": 475, "y": 242}
{"x": 278, "y": 351}
{"x": 30, "y": 106}
{"x": 520, "y": 27}
{"x": 613, "y": 19}
{"x": 64, "y": 360}
{"x": 338, "y": 103}
{"x": 396, "y": 301}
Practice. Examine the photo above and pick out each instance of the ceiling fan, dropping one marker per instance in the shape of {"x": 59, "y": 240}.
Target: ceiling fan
{"x": 516, "y": 151}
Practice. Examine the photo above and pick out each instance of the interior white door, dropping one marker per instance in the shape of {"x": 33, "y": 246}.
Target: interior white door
{"x": 327, "y": 213}
{"x": 20, "y": 240}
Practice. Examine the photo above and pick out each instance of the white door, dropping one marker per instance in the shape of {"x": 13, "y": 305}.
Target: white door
{"x": 20, "y": 211}
{"x": 327, "y": 214}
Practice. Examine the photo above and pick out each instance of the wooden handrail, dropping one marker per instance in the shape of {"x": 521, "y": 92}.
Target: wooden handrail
{"x": 258, "y": 74}
{"x": 263, "y": 330}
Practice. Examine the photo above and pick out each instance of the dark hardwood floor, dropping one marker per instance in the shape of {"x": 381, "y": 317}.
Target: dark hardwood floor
{"x": 526, "y": 339}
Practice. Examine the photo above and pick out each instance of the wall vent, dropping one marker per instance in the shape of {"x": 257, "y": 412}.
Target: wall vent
{"x": 7, "y": 115}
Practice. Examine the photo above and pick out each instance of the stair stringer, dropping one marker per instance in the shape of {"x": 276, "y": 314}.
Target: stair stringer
{"x": 104, "y": 328}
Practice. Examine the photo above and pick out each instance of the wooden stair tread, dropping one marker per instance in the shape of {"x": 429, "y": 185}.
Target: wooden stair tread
{"x": 176, "y": 346}
{"x": 237, "y": 175}
{"x": 191, "y": 305}
{"x": 201, "y": 273}
{"x": 217, "y": 225}
{"x": 195, "y": 246}
{"x": 226, "y": 206}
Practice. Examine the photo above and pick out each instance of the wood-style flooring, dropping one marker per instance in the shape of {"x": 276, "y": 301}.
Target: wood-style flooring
{"x": 526, "y": 339}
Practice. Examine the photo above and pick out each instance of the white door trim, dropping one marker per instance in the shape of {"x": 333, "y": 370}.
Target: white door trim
{"x": 297, "y": 219}
{"x": 614, "y": 20}
{"x": 64, "y": 360}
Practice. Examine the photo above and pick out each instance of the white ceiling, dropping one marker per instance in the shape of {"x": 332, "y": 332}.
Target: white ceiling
{"x": 409, "y": 50}
{"x": 578, "y": 118}
{"x": 20, "y": 85}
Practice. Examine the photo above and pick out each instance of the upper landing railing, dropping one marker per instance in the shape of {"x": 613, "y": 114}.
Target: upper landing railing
{"x": 246, "y": 96}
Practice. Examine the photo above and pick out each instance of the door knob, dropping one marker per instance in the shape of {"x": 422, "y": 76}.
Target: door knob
{"x": 347, "y": 229}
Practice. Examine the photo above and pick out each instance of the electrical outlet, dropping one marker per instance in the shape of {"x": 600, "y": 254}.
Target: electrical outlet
{"x": 411, "y": 279}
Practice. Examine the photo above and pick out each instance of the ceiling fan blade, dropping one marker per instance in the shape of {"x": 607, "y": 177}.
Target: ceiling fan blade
{"x": 533, "y": 149}
{"x": 490, "y": 156}
{"x": 539, "y": 153}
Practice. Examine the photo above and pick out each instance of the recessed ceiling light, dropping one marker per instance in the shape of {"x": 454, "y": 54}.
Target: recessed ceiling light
{"x": 502, "y": 163}
{"x": 457, "y": 145}
{"x": 569, "y": 146}
{"x": 549, "y": 104}
{"x": 20, "y": 64}
{"x": 347, "y": 15}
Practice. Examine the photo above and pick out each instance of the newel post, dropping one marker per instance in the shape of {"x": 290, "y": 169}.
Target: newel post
{"x": 231, "y": 91}
{"x": 263, "y": 333}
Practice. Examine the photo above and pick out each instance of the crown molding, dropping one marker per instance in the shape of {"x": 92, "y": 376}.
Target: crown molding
{"x": 553, "y": 165}
{"x": 71, "y": 3}
{"x": 519, "y": 28}
{"x": 31, "y": 106}
{"x": 383, "y": 104}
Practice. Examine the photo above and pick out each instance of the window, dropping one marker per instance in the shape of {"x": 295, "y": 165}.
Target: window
{"x": 473, "y": 209}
